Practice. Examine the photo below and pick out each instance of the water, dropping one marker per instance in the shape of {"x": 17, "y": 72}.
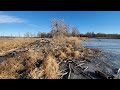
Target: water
{"x": 110, "y": 48}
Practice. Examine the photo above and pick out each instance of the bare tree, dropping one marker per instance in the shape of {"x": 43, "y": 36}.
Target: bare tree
{"x": 59, "y": 28}
{"x": 75, "y": 31}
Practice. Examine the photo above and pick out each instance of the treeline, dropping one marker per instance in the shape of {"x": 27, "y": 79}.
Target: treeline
{"x": 101, "y": 35}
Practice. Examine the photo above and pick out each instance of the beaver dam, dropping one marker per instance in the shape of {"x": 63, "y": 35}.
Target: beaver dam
{"x": 50, "y": 58}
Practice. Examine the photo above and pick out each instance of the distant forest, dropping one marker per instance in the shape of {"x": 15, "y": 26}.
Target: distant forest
{"x": 88, "y": 34}
{"x": 101, "y": 35}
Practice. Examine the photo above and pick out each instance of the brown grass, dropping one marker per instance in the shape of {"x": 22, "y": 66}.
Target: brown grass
{"x": 69, "y": 45}
{"x": 76, "y": 54}
{"x": 62, "y": 56}
{"x": 35, "y": 55}
{"x": 73, "y": 40}
{"x": 27, "y": 61}
{"x": 8, "y": 44}
{"x": 51, "y": 68}
{"x": 11, "y": 65}
{"x": 66, "y": 41}
{"x": 8, "y": 68}
{"x": 5, "y": 75}
{"x": 37, "y": 73}
{"x": 67, "y": 50}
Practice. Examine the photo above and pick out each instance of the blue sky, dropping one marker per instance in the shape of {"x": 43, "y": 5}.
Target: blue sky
{"x": 20, "y": 22}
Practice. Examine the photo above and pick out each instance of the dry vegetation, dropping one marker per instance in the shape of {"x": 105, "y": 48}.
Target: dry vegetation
{"x": 51, "y": 67}
{"x": 41, "y": 64}
{"x": 12, "y": 43}
{"x": 8, "y": 68}
{"x": 7, "y": 45}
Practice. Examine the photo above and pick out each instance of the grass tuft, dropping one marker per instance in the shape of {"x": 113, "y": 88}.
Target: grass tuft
{"x": 51, "y": 67}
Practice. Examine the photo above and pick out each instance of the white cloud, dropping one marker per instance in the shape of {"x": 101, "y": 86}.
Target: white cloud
{"x": 10, "y": 19}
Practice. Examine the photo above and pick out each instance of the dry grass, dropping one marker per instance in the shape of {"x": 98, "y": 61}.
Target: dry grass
{"x": 51, "y": 68}
{"x": 8, "y": 44}
{"x": 5, "y": 75}
{"x": 9, "y": 67}
{"x": 74, "y": 40}
{"x": 67, "y": 50}
{"x": 27, "y": 61}
{"x": 69, "y": 41}
{"x": 66, "y": 41}
{"x": 69, "y": 45}
{"x": 37, "y": 73}
{"x": 35, "y": 55}
{"x": 62, "y": 56}
{"x": 75, "y": 54}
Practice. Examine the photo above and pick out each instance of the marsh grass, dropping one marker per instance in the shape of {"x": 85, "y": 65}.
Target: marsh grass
{"x": 9, "y": 67}
{"x": 51, "y": 67}
{"x": 76, "y": 54}
{"x": 8, "y": 44}
{"x": 62, "y": 56}
{"x": 37, "y": 73}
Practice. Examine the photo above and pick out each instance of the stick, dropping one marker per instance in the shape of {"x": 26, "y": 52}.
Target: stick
{"x": 69, "y": 72}
{"x": 80, "y": 65}
{"x": 85, "y": 68}
{"x": 63, "y": 75}
{"x": 63, "y": 70}
{"x": 82, "y": 61}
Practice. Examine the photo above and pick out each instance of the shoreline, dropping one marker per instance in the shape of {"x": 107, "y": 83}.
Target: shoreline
{"x": 103, "y": 38}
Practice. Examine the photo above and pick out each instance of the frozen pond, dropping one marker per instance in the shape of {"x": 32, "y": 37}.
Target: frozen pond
{"x": 110, "y": 48}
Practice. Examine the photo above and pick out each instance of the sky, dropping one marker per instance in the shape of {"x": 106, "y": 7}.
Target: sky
{"x": 19, "y": 22}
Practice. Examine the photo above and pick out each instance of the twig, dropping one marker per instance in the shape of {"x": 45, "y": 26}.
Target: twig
{"x": 82, "y": 61}
{"x": 63, "y": 75}
{"x": 63, "y": 70}
{"x": 80, "y": 65}
{"x": 85, "y": 68}
{"x": 69, "y": 72}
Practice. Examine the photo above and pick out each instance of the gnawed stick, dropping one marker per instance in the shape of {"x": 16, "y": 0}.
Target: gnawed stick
{"x": 69, "y": 71}
{"x": 82, "y": 61}
{"x": 79, "y": 65}
{"x": 63, "y": 70}
{"x": 63, "y": 75}
{"x": 86, "y": 68}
